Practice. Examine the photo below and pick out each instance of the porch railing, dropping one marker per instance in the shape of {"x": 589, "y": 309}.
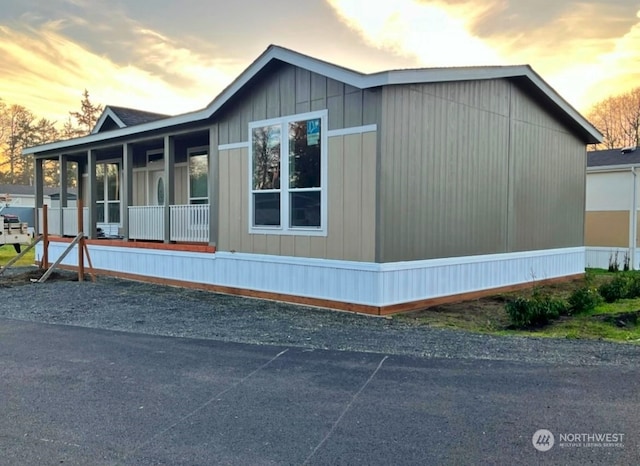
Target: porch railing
{"x": 190, "y": 223}
{"x": 70, "y": 220}
{"x": 146, "y": 223}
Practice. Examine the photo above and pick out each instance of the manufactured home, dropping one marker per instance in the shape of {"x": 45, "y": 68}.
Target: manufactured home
{"x": 612, "y": 203}
{"x": 308, "y": 182}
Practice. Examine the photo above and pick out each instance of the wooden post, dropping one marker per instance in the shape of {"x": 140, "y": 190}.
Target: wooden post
{"x": 45, "y": 238}
{"x": 81, "y": 244}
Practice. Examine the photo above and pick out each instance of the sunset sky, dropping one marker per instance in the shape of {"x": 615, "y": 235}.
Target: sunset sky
{"x": 173, "y": 56}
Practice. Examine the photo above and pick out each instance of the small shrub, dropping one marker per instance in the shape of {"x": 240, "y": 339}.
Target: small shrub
{"x": 614, "y": 290}
{"x": 633, "y": 285}
{"x": 583, "y": 300}
{"x": 536, "y": 311}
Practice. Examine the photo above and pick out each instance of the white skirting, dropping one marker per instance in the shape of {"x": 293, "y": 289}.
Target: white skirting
{"x": 363, "y": 283}
{"x": 600, "y": 257}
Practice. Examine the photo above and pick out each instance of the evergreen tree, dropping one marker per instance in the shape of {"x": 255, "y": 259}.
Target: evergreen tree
{"x": 88, "y": 114}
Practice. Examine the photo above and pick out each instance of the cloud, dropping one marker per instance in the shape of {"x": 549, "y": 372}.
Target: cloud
{"x": 587, "y": 51}
{"x": 46, "y": 71}
{"x": 434, "y": 33}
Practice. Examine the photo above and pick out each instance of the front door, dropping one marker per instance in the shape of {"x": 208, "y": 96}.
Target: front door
{"x": 156, "y": 187}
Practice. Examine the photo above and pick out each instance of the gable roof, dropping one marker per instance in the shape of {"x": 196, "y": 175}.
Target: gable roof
{"x": 123, "y": 117}
{"x": 613, "y": 158}
{"x": 534, "y": 84}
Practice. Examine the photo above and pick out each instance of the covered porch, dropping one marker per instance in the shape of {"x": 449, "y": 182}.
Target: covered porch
{"x": 155, "y": 189}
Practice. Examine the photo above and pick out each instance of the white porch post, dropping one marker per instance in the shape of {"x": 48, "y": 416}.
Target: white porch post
{"x": 169, "y": 188}
{"x": 92, "y": 195}
{"x": 39, "y": 193}
{"x": 214, "y": 158}
{"x": 127, "y": 184}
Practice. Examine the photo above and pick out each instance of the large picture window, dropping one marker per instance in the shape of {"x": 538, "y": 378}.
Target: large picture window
{"x": 288, "y": 185}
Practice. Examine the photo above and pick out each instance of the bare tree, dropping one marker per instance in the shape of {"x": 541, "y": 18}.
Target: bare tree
{"x": 618, "y": 119}
{"x": 17, "y": 131}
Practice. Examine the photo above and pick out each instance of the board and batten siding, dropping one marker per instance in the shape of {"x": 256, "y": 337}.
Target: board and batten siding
{"x": 350, "y": 210}
{"x": 282, "y": 90}
{"x": 475, "y": 167}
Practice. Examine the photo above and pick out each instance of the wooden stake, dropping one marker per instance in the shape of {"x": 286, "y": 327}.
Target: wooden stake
{"x": 81, "y": 246}
{"x": 44, "y": 264}
{"x": 86, "y": 252}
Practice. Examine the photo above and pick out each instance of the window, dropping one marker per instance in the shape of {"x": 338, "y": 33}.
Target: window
{"x": 108, "y": 186}
{"x": 198, "y": 176}
{"x": 288, "y": 181}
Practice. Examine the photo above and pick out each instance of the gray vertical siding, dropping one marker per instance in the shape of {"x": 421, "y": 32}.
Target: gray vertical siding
{"x": 284, "y": 89}
{"x": 547, "y": 193}
{"x": 443, "y": 170}
{"x": 472, "y": 168}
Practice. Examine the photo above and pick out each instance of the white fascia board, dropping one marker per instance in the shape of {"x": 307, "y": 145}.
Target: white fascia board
{"x": 108, "y": 113}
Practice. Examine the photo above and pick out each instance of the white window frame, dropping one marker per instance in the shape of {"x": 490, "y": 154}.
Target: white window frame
{"x": 194, "y": 151}
{"x": 284, "y": 228}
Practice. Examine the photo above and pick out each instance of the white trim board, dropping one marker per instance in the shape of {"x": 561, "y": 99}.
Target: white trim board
{"x": 353, "y": 130}
{"x": 234, "y": 145}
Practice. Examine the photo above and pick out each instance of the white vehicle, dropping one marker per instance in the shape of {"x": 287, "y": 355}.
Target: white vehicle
{"x": 13, "y": 231}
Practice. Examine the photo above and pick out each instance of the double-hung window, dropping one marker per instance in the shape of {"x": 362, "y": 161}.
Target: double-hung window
{"x": 288, "y": 175}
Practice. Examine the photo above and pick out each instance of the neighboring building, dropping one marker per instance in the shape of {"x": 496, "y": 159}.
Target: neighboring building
{"x": 308, "y": 182}
{"x": 611, "y": 220}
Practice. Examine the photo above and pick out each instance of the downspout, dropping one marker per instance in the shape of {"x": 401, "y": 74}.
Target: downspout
{"x": 634, "y": 220}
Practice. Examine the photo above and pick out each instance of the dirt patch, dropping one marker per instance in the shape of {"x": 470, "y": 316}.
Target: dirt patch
{"x": 489, "y": 313}
{"x": 9, "y": 279}
{"x": 622, "y": 319}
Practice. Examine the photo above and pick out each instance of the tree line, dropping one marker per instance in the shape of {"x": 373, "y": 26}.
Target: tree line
{"x": 21, "y": 128}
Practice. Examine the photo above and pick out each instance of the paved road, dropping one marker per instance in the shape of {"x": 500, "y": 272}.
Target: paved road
{"x": 71, "y": 395}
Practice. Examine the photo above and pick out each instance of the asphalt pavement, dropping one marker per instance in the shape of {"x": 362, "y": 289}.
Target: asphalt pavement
{"x": 82, "y": 396}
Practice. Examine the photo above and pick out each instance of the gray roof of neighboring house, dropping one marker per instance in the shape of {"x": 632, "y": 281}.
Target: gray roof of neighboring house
{"x": 612, "y": 157}
{"x": 22, "y": 190}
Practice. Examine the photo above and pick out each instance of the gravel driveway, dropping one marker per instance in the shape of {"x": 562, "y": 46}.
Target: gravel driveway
{"x": 160, "y": 310}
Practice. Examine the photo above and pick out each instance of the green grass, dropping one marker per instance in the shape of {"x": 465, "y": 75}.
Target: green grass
{"x": 7, "y": 253}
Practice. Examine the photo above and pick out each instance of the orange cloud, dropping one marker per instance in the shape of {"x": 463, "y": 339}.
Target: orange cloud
{"x": 47, "y": 72}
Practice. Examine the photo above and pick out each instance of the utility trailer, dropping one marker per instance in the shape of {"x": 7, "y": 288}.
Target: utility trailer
{"x": 13, "y": 231}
